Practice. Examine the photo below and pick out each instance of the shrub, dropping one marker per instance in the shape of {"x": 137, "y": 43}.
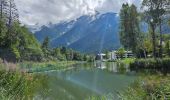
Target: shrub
{"x": 16, "y": 84}
{"x": 160, "y": 64}
{"x": 148, "y": 88}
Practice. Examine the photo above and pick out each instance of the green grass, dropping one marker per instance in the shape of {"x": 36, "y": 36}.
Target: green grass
{"x": 46, "y": 66}
{"x": 126, "y": 60}
{"x": 97, "y": 98}
{"x": 153, "y": 87}
{"x": 161, "y": 64}
{"x": 16, "y": 85}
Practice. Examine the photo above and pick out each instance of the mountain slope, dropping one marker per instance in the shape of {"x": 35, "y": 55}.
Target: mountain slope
{"x": 53, "y": 31}
{"x": 79, "y": 30}
{"x": 103, "y": 35}
{"x": 89, "y": 34}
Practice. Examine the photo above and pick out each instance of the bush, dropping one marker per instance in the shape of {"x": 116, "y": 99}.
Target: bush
{"x": 160, "y": 64}
{"x": 148, "y": 88}
{"x": 16, "y": 84}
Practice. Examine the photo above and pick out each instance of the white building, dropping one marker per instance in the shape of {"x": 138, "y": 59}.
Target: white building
{"x": 114, "y": 55}
{"x": 101, "y": 56}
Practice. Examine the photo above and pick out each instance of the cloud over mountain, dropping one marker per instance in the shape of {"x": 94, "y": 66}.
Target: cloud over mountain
{"x": 44, "y": 11}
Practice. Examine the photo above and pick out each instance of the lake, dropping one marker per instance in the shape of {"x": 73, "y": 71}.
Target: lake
{"x": 85, "y": 80}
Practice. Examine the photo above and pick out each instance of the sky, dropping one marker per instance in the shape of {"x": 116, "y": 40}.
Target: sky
{"x": 42, "y": 12}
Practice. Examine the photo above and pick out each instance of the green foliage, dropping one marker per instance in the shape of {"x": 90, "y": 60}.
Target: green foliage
{"x": 64, "y": 53}
{"x": 45, "y": 66}
{"x": 45, "y": 44}
{"x": 21, "y": 44}
{"x": 16, "y": 86}
{"x": 121, "y": 52}
{"x": 148, "y": 88}
{"x": 29, "y": 47}
{"x": 97, "y": 98}
{"x": 16, "y": 53}
{"x": 45, "y": 48}
{"x": 129, "y": 27}
{"x": 127, "y": 60}
{"x": 107, "y": 55}
{"x": 160, "y": 64}
{"x": 57, "y": 53}
{"x": 3, "y": 30}
{"x": 78, "y": 56}
{"x": 130, "y": 36}
{"x": 16, "y": 42}
{"x": 147, "y": 45}
{"x": 167, "y": 48}
{"x": 154, "y": 10}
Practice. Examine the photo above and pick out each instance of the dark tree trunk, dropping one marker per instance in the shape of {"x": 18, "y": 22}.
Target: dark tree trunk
{"x": 160, "y": 28}
{"x": 10, "y": 14}
{"x": 161, "y": 40}
{"x": 153, "y": 40}
{"x": 145, "y": 55}
{"x": 1, "y": 7}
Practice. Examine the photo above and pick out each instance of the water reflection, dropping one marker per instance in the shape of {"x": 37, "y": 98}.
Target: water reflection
{"x": 83, "y": 81}
{"x": 114, "y": 67}
{"x": 150, "y": 71}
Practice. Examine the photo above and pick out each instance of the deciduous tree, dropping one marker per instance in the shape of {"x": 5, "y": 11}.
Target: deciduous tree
{"x": 154, "y": 10}
{"x": 129, "y": 27}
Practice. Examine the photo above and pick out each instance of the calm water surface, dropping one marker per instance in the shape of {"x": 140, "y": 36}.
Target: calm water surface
{"x": 85, "y": 80}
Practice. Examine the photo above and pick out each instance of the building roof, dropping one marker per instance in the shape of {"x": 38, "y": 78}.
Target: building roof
{"x": 101, "y": 54}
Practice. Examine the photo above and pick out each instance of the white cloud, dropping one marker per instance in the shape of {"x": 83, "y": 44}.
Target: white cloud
{"x": 45, "y": 11}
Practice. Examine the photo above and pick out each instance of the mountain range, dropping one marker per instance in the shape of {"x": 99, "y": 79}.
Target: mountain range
{"x": 87, "y": 34}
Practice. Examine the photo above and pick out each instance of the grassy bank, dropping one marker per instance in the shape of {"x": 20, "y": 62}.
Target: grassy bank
{"x": 46, "y": 66}
{"x": 151, "y": 63}
{"x": 17, "y": 84}
{"x": 153, "y": 82}
{"x": 153, "y": 87}
{"x": 126, "y": 60}
{"x": 159, "y": 65}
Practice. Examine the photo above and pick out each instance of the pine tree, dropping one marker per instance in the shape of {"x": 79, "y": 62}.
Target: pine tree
{"x": 11, "y": 13}
{"x": 3, "y": 28}
{"x": 134, "y": 28}
{"x": 124, "y": 26}
{"x": 16, "y": 42}
{"x": 45, "y": 46}
{"x": 3, "y": 31}
{"x": 12, "y": 18}
{"x": 3, "y": 6}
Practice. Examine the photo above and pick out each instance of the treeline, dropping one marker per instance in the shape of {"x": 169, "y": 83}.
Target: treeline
{"x": 63, "y": 53}
{"x": 18, "y": 44}
{"x": 153, "y": 43}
